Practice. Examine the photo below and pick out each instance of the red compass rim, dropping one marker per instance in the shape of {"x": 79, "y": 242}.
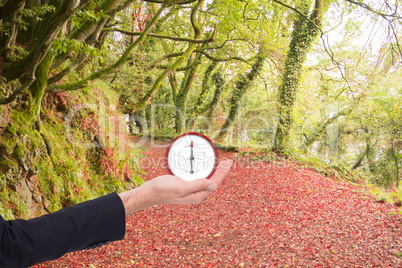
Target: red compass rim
{"x": 200, "y": 135}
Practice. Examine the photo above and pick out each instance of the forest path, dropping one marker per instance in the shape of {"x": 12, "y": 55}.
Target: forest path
{"x": 264, "y": 215}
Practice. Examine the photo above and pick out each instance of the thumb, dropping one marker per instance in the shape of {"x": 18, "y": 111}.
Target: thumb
{"x": 200, "y": 185}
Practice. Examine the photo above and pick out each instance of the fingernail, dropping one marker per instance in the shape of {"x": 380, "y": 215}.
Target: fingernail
{"x": 212, "y": 187}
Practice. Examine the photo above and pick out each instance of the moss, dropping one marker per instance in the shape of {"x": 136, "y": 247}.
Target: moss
{"x": 20, "y": 151}
{"x": 11, "y": 128}
{"x": 5, "y": 206}
{"x": 220, "y": 82}
{"x": 77, "y": 176}
{"x": 7, "y": 164}
{"x": 20, "y": 207}
{"x": 205, "y": 86}
{"x": 37, "y": 89}
{"x": 6, "y": 146}
{"x": 12, "y": 205}
{"x": 21, "y": 125}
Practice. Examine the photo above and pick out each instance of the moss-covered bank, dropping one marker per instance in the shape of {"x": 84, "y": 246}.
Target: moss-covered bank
{"x": 92, "y": 154}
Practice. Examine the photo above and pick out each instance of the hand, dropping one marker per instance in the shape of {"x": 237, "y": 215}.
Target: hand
{"x": 168, "y": 189}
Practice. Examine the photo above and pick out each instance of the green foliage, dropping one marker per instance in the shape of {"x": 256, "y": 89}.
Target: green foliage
{"x": 62, "y": 46}
{"x": 37, "y": 11}
{"x": 333, "y": 170}
{"x": 383, "y": 195}
{"x": 399, "y": 194}
{"x": 81, "y": 15}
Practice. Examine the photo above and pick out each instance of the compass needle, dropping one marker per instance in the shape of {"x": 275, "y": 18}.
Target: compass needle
{"x": 192, "y": 157}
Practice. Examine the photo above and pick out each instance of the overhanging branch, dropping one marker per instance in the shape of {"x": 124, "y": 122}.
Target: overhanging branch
{"x": 220, "y": 59}
{"x": 102, "y": 73}
{"x": 178, "y": 2}
{"x": 388, "y": 17}
{"x": 230, "y": 40}
{"x": 167, "y": 56}
{"x": 189, "y": 40}
{"x": 41, "y": 50}
{"x": 18, "y": 91}
{"x": 367, "y": 7}
{"x": 179, "y": 69}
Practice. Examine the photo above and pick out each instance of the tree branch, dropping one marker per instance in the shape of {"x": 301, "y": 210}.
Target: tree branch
{"x": 81, "y": 58}
{"x": 189, "y": 40}
{"x": 18, "y": 91}
{"x": 179, "y": 69}
{"x": 41, "y": 50}
{"x": 184, "y": 2}
{"x": 320, "y": 130}
{"x": 195, "y": 23}
{"x": 47, "y": 41}
{"x": 167, "y": 56}
{"x": 102, "y": 73}
{"x": 365, "y": 6}
{"x": 10, "y": 7}
{"x": 28, "y": 65}
{"x": 386, "y": 17}
{"x": 178, "y": 2}
{"x": 230, "y": 40}
{"x": 119, "y": 8}
{"x": 88, "y": 26}
{"x": 220, "y": 59}
{"x": 149, "y": 95}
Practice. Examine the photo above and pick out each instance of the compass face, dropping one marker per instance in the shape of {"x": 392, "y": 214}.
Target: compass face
{"x": 192, "y": 156}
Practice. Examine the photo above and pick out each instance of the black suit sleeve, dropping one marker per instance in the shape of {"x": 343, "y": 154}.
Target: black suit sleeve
{"x": 86, "y": 225}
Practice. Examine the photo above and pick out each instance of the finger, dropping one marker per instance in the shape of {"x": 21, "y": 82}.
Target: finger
{"x": 197, "y": 186}
{"x": 223, "y": 169}
{"x": 195, "y": 197}
{"x": 200, "y": 189}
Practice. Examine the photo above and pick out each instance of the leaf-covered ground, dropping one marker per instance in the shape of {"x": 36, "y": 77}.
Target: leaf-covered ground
{"x": 265, "y": 215}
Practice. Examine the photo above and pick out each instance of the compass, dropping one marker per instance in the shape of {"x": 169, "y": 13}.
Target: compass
{"x": 192, "y": 156}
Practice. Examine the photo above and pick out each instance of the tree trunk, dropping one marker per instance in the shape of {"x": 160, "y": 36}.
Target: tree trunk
{"x": 37, "y": 91}
{"x": 303, "y": 36}
{"x": 220, "y": 82}
{"x": 361, "y": 158}
{"x": 205, "y": 86}
{"x": 181, "y": 98}
{"x": 394, "y": 154}
{"x": 200, "y": 106}
{"x": 241, "y": 86}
